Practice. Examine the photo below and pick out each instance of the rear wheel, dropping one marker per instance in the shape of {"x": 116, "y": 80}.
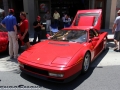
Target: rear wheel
{"x": 86, "y": 62}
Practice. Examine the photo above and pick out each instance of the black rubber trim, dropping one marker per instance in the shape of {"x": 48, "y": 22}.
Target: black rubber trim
{"x": 86, "y": 14}
{"x": 51, "y": 79}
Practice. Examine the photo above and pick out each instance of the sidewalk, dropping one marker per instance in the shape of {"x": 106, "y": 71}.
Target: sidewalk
{"x": 110, "y": 34}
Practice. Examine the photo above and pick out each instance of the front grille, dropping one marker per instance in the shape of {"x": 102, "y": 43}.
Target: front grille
{"x": 55, "y": 80}
{"x": 35, "y": 70}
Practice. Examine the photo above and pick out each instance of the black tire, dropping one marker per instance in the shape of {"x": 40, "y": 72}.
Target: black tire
{"x": 86, "y": 63}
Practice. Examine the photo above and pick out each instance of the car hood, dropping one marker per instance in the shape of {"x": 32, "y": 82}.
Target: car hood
{"x": 51, "y": 53}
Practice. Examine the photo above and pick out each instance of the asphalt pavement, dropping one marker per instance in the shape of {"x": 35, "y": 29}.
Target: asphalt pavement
{"x": 104, "y": 74}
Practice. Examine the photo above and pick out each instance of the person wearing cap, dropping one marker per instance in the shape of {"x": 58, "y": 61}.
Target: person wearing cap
{"x": 9, "y": 22}
{"x": 23, "y": 25}
{"x": 116, "y": 31}
{"x": 37, "y": 25}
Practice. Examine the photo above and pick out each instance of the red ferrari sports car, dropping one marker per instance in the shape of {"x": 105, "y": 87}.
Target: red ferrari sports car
{"x": 68, "y": 52}
{"x": 4, "y": 40}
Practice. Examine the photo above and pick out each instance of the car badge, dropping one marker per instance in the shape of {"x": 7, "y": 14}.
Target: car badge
{"x": 38, "y": 59}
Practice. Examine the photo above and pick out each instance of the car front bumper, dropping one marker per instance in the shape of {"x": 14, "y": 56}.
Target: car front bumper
{"x": 48, "y": 78}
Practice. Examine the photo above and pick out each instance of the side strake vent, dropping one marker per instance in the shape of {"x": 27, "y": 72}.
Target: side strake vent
{"x": 58, "y": 44}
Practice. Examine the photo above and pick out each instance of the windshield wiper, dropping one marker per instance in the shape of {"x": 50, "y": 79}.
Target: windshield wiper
{"x": 64, "y": 40}
{"x": 74, "y": 41}
{"x": 58, "y": 40}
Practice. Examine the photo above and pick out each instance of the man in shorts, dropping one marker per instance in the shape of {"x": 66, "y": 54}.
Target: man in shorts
{"x": 24, "y": 29}
{"x": 116, "y": 31}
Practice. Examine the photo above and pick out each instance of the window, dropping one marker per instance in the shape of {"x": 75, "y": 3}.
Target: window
{"x": 71, "y": 36}
{"x": 92, "y": 34}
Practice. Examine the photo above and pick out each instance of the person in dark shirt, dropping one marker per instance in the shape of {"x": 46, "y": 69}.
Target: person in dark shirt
{"x": 37, "y": 29}
{"x": 67, "y": 21}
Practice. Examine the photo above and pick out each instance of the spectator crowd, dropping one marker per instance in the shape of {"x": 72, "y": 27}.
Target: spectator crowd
{"x": 53, "y": 24}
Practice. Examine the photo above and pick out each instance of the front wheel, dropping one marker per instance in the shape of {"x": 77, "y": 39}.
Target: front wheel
{"x": 86, "y": 62}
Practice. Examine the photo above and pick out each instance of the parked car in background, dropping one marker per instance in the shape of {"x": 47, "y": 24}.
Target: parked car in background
{"x": 4, "y": 40}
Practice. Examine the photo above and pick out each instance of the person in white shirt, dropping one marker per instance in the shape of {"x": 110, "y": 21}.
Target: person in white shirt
{"x": 56, "y": 17}
{"x": 116, "y": 32}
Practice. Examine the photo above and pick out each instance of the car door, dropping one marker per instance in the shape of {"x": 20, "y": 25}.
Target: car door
{"x": 101, "y": 41}
{"x": 94, "y": 40}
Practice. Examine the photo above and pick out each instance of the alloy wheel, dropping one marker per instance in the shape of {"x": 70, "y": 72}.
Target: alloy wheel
{"x": 86, "y": 62}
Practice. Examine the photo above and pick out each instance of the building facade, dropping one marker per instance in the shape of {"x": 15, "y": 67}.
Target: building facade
{"x": 39, "y": 7}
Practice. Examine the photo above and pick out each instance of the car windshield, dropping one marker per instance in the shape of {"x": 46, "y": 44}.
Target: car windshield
{"x": 71, "y": 36}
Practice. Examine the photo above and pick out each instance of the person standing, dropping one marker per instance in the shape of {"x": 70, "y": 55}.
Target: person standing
{"x": 56, "y": 17}
{"x": 116, "y": 31}
{"x": 63, "y": 18}
{"x": 37, "y": 29}
{"x": 24, "y": 29}
{"x": 67, "y": 21}
{"x": 9, "y": 22}
{"x": 54, "y": 28}
{"x": 47, "y": 17}
{"x": 62, "y": 22}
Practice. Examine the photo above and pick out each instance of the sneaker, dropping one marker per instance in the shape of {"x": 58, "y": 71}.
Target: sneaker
{"x": 15, "y": 58}
{"x": 11, "y": 57}
{"x": 115, "y": 48}
{"x": 118, "y": 50}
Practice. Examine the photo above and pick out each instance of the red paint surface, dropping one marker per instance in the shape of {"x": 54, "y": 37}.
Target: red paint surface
{"x": 4, "y": 41}
{"x": 64, "y": 57}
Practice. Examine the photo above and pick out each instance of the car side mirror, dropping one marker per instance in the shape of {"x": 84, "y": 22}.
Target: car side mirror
{"x": 95, "y": 39}
{"x": 48, "y": 36}
{"x": 90, "y": 40}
